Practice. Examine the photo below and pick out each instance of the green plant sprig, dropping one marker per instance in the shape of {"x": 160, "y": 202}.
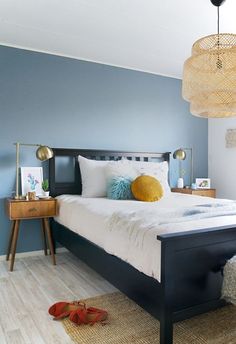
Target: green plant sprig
{"x": 45, "y": 185}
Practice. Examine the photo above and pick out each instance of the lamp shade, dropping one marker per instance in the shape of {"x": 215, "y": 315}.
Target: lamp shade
{"x": 44, "y": 153}
{"x": 179, "y": 154}
{"x": 209, "y": 76}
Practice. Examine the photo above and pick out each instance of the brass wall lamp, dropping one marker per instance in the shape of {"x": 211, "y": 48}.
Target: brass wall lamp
{"x": 43, "y": 153}
{"x": 180, "y": 154}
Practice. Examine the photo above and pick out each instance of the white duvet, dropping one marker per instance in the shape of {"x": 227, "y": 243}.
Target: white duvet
{"x": 128, "y": 229}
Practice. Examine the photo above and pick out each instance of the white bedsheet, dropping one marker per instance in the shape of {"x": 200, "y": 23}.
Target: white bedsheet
{"x": 92, "y": 219}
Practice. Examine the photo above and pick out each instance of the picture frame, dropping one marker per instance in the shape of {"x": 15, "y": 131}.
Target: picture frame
{"x": 31, "y": 180}
{"x": 203, "y": 183}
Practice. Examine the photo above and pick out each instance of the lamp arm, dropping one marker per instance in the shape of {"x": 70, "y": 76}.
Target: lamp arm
{"x": 18, "y": 144}
{"x": 43, "y": 153}
{"x": 180, "y": 169}
{"x": 191, "y": 166}
{"x": 28, "y": 144}
{"x": 191, "y": 174}
{"x": 17, "y": 168}
{"x": 191, "y": 152}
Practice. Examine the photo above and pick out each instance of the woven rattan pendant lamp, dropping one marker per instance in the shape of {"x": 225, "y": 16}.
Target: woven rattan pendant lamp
{"x": 209, "y": 77}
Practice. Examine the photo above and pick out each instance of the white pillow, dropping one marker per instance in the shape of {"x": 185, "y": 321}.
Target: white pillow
{"x": 93, "y": 177}
{"x": 159, "y": 170}
{"x": 121, "y": 168}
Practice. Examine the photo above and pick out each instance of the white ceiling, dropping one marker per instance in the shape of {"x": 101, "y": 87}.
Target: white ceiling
{"x": 148, "y": 35}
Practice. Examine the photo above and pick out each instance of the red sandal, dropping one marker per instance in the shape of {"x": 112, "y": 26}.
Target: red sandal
{"x": 90, "y": 315}
{"x": 96, "y": 315}
{"x": 62, "y": 310}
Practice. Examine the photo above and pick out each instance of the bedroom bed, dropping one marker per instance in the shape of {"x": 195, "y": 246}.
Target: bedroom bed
{"x": 186, "y": 276}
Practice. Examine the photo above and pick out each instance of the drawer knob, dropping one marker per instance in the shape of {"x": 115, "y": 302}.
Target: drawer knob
{"x": 32, "y": 210}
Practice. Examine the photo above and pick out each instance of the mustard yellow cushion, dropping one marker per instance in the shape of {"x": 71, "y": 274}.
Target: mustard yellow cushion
{"x": 147, "y": 189}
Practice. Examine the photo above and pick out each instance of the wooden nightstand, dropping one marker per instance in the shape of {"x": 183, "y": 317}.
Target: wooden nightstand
{"x": 18, "y": 210}
{"x": 198, "y": 192}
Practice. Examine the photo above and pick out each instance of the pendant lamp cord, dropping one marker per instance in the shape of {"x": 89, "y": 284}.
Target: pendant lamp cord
{"x": 219, "y": 61}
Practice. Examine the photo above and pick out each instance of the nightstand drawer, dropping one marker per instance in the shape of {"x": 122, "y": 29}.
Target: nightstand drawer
{"x": 32, "y": 209}
{"x": 205, "y": 193}
{"x": 198, "y": 192}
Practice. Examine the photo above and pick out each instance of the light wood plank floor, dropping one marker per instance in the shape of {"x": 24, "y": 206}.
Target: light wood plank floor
{"x": 34, "y": 285}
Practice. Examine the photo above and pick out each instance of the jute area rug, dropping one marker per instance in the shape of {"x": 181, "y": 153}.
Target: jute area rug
{"x": 129, "y": 324}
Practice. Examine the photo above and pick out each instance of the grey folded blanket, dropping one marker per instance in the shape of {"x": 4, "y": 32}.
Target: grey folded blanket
{"x": 229, "y": 282}
{"x": 202, "y": 211}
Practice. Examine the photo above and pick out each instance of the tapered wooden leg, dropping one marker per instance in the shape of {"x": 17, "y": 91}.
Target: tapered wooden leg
{"x": 10, "y": 239}
{"x": 44, "y": 238}
{"x": 53, "y": 239}
{"x": 14, "y": 243}
{"x": 49, "y": 237}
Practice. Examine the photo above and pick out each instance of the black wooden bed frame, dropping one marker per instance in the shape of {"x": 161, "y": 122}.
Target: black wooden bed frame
{"x": 191, "y": 262}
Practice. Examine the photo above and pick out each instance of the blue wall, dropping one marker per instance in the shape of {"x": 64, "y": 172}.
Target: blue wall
{"x": 63, "y": 102}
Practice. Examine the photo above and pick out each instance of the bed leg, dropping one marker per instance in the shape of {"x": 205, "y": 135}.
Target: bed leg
{"x": 166, "y": 329}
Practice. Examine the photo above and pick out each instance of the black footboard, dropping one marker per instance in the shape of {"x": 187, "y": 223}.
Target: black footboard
{"x": 191, "y": 273}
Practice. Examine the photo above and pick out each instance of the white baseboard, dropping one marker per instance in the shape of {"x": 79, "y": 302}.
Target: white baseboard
{"x": 33, "y": 253}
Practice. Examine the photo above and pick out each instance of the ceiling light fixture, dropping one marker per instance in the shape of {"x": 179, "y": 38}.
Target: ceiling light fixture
{"x": 209, "y": 77}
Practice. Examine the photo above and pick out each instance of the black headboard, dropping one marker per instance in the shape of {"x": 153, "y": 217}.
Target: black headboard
{"x": 74, "y": 187}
